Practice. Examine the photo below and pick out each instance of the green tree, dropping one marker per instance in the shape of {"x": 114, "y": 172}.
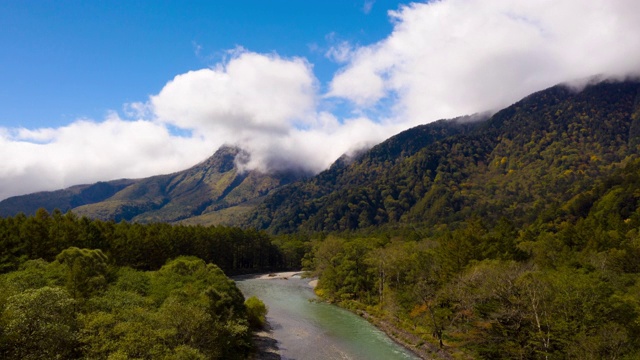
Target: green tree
{"x": 40, "y": 324}
{"x": 256, "y": 312}
{"x": 86, "y": 271}
{"x": 187, "y": 322}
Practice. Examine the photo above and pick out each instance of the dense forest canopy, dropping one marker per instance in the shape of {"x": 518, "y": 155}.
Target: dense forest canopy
{"x": 141, "y": 246}
{"x": 80, "y": 306}
{"x": 80, "y": 288}
{"x": 566, "y": 286}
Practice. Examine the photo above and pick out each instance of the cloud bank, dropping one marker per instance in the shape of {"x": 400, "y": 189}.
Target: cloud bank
{"x": 87, "y": 151}
{"x": 443, "y": 59}
{"x": 266, "y": 105}
{"x": 453, "y": 57}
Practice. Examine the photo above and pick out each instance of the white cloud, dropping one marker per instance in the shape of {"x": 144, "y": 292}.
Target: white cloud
{"x": 263, "y": 103}
{"x": 455, "y": 57}
{"x": 316, "y": 148}
{"x": 197, "y": 48}
{"x": 251, "y": 92}
{"x": 87, "y": 151}
{"x": 268, "y": 106}
{"x": 443, "y": 59}
{"x": 340, "y": 53}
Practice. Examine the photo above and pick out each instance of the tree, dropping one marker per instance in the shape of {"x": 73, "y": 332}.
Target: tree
{"x": 40, "y": 324}
{"x": 86, "y": 271}
{"x": 256, "y": 312}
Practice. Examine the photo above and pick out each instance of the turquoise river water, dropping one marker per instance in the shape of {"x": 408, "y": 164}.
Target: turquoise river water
{"x": 306, "y": 329}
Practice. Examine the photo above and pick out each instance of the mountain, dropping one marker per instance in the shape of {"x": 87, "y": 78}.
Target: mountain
{"x": 63, "y": 200}
{"x": 525, "y": 160}
{"x": 210, "y": 192}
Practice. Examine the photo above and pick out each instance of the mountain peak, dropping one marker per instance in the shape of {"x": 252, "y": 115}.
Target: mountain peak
{"x": 224, "y": 159}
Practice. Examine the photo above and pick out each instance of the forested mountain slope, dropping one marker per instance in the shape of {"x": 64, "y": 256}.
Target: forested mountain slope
{"x": 292, "y": 205}
{"x": 519, "y": 163}
{"x": 198, "y": 194}
{"x": 524, "y": 160}
{"x": 566, "y": 286}
{"x": 63, "y": 200}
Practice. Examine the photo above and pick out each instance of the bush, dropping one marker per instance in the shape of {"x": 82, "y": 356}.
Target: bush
{"x": 256, "y": 312}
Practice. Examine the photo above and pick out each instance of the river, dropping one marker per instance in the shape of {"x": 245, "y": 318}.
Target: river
{"x": 306, "y": 329}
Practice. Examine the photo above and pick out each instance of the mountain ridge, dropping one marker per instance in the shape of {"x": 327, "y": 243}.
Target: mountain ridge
{"x": 212, "y": 185}
{"x": 63, "y": 199}
{"x": 540, "y": 150}
{"x": 517, "y": 163}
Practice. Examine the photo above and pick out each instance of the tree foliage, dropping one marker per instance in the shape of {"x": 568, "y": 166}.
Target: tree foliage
{"x": 39, "y": 324}
{"x": 256, "y": 312}
{"x": 144, "y": 247}
{"x": 185, "y": 309}
{"x": 559, "y": 288}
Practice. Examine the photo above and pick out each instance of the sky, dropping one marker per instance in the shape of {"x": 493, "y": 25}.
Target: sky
{"x": 101, "y": 90}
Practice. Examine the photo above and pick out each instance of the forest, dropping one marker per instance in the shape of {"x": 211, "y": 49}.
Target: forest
{"x": 140, "y": 246}
{"x": 80, "y": 288}
{"x": 566, "y": 286}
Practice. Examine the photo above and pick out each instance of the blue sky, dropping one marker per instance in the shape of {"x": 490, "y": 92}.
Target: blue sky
{"x": 100, "y": 90}
{"x": 62, "y": 60}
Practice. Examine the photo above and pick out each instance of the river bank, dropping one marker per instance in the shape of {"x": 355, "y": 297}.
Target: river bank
{"x": 266, "y": 345}
{"x": 408, "y": 340}
{"x": 303, "y": 328}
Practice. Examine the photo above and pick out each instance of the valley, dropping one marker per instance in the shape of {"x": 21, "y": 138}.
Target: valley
{"x": 515, "y": 235}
